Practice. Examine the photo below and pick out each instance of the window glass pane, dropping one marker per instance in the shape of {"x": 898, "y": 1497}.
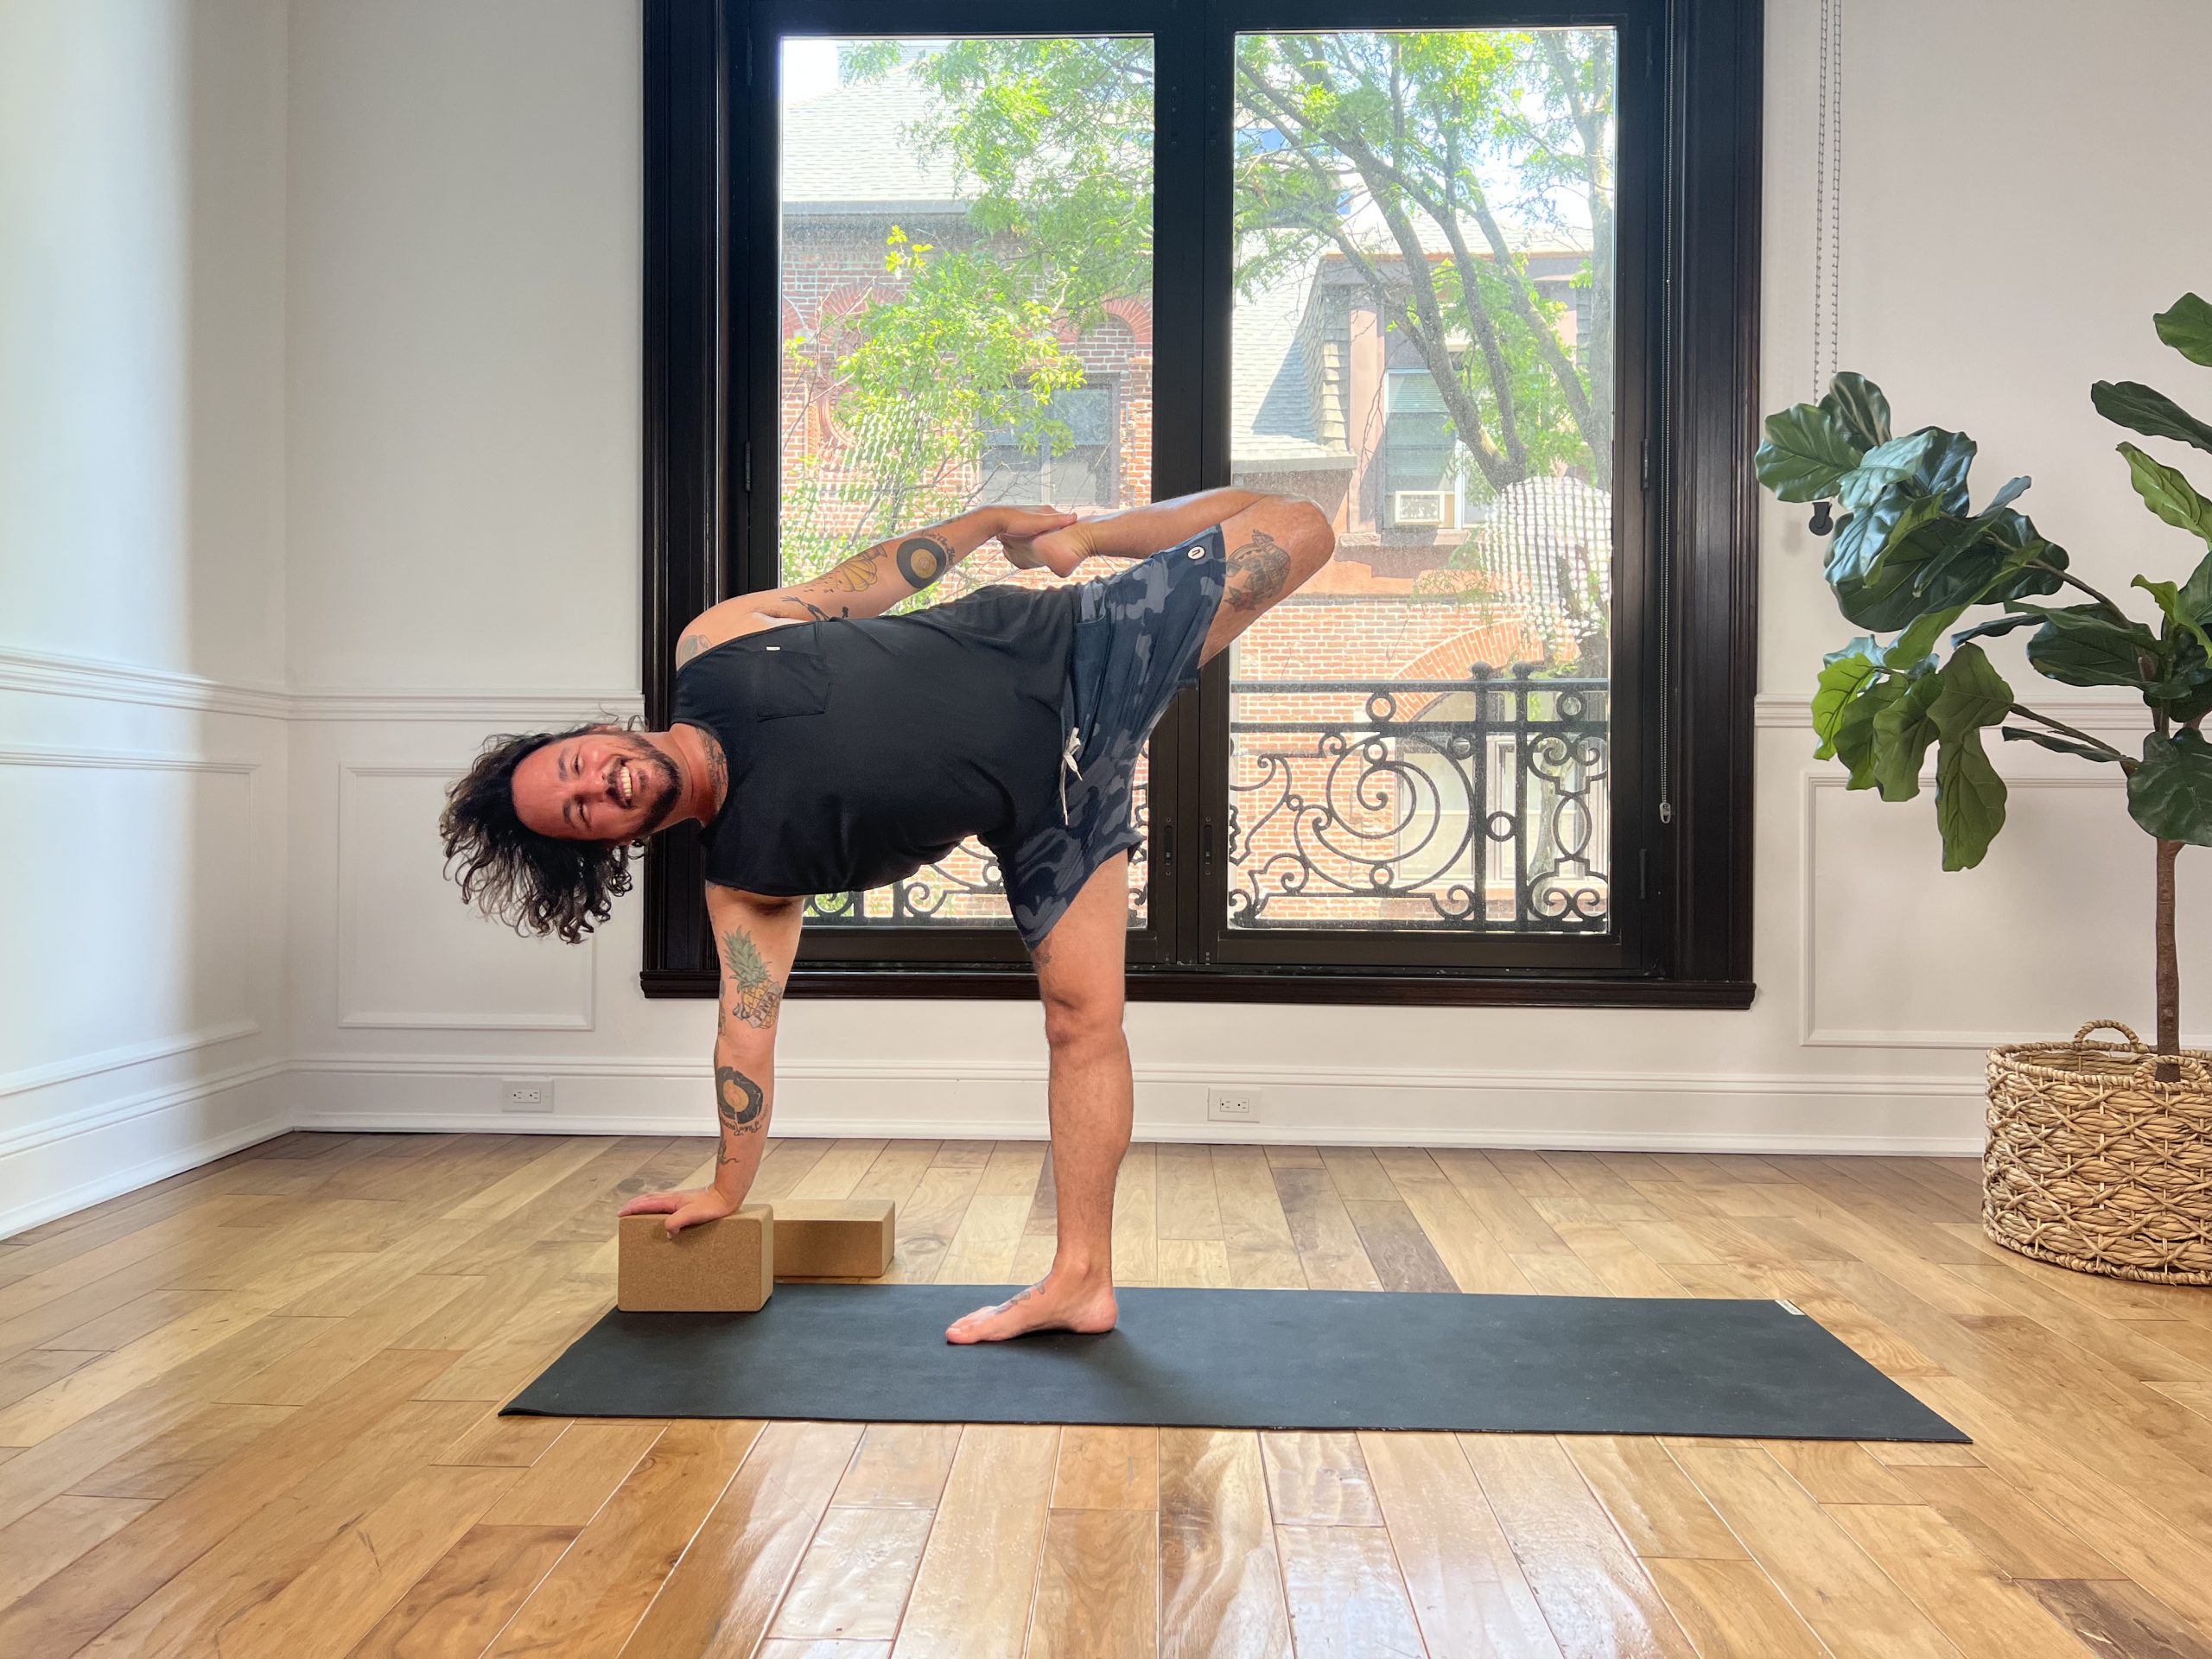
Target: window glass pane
{"x": 1422, "y": 343}
{"x": 1071, "y": 463}
{"x": 966, "y": 286}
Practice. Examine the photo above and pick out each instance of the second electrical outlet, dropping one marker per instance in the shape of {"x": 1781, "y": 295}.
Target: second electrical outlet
{"x": 1233, "y": 1106}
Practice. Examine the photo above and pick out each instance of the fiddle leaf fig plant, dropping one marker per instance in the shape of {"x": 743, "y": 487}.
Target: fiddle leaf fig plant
{"x": 1913, "y": 555}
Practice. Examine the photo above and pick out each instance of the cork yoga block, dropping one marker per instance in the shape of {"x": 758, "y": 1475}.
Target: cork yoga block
{"x": 835, "y": 1238}
{"x": 717, "y": 1267}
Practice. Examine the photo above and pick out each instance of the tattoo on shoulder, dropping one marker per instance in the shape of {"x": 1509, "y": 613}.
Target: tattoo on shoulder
{"x": 922, "y": 559}
{"x": 739, "y": 1102}
{"x": 717, "y": 764}
{"x": 1258, "y": 573}
{"x": 689, "y": 646}
{"x": 753, "y": 996}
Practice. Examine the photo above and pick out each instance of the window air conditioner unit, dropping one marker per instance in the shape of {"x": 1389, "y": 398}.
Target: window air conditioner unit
{"x": 1412, "y": 507}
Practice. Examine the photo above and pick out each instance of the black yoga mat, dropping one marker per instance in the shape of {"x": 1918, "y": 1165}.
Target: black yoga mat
{"x": 1248, "y": 1359}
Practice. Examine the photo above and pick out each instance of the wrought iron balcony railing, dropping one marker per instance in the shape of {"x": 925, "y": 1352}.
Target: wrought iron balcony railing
{"x": 1476, "y": 804}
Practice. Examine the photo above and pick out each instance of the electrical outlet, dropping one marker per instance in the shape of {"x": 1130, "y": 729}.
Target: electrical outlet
{"x": 526, "y": 1095}
{"x": 1233, "y": 1106}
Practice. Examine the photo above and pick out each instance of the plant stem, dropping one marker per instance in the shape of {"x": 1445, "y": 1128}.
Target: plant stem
{"x": 2073, "y": 581}
{"x": 2168, "y": 962}
{"x": 2026, "y": 713}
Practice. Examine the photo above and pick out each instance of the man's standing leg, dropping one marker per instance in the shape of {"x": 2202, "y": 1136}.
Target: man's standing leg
{"x": 1080, "y": 974}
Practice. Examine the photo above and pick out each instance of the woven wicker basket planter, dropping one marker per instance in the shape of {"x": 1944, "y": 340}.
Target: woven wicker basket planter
{"x": 2096, "y": 1165}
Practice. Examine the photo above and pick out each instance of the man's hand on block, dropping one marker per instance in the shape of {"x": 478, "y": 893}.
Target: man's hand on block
{"x": 726, "y": 1266}
{"x": 683, "y": 1208}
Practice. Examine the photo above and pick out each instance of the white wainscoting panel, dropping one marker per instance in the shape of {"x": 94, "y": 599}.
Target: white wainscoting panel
{"x": 62, "y": 1165}
{"x": 410, "y": 955}
{"x": 2051, "y": 930}
{"x": 137, "y": 938}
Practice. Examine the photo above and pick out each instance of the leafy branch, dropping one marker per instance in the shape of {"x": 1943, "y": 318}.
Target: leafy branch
{"x": 1911, "y": 556}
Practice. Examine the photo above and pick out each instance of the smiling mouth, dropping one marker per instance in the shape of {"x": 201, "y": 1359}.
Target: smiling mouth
{"x": 624, "y": 785}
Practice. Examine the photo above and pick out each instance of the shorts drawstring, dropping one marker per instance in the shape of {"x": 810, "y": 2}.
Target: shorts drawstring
{"x": 1068, "y": 752}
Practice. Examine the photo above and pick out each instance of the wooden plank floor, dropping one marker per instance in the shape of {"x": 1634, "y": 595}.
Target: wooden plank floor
{"x": 252, "y": 1410}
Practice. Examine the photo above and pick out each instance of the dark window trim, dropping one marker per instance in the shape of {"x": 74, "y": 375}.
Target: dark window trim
{"x": 707, "y": 531}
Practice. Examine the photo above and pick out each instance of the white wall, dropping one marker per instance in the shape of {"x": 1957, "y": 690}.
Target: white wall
{"x": 2008, "y": 230}
{"x": 464, "y": 503}
{"x": 437, "y": 490}
{"x": 142, "y": 777}
{"x": 464, "y": 385}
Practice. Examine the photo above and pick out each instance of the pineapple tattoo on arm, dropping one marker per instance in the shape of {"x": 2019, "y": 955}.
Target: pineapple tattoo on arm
{"x": 753, "y": 996}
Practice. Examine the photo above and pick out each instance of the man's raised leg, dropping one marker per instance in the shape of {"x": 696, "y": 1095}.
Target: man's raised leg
{"x": 1274, "y": 547}
{"x": 1080, "y": 973}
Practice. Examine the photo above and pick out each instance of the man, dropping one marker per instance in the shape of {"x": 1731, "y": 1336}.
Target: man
{"x": 825, "y": 747}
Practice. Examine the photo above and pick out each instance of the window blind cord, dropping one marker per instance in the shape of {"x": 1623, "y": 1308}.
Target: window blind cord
{"x": 1828, "y": 220}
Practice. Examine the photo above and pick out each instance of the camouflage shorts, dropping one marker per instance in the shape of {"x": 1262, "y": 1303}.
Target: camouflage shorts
{"x": 1137, "y": 639}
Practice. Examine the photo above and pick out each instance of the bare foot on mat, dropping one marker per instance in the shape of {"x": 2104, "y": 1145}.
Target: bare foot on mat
{"x": 1046, "y": 1306}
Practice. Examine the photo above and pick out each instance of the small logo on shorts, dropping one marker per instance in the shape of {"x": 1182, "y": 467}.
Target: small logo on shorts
{"x": 1197, "y": 552}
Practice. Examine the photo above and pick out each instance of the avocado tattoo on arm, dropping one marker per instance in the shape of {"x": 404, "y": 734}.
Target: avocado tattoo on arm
{"x": 922, "y": 559}
{"x": 739, "y": 1102}
{"x": 754, "y": 994}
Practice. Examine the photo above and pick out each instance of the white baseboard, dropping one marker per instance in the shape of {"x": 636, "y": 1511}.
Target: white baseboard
{"x": 864, "y": 1129}
{"x": 1005, "y": 1100}
{"x": 57, "y": 1173}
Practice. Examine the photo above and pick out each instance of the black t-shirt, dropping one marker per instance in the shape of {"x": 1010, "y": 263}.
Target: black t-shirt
{"x": 863, "y": 748}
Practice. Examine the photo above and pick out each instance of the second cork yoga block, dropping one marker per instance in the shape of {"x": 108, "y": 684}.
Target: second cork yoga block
{"x": 835, "y": 1238}
{"x": 716, "y": 1267}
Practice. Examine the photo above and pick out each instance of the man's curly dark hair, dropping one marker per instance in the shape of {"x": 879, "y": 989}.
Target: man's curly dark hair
{"x": 538, "y": 884}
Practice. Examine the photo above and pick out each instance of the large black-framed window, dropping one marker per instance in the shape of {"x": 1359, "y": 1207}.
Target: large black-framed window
{"x": 1669, "y": 697}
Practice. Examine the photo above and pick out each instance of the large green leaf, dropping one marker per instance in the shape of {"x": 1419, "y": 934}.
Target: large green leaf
{"x": 1861, "y": 535}
{"x": 2167, "y": 493}
{"x": 1969, "y": 799}
{"x": 2197, "y": 592}
{"x": 1939, "y": 566}
{"x": 2171, "y": 793}
{"x": 2186, "y": 692}
{"x": 1903, "y": 732}
{"x": 1998, "y": 625}
{"x": 2039, "y": 561}
{"x": 1843, "y": 675}
{"x": 2085, "y": 645}
{"x": 2183, "y": 692}
{"x": 1904, "y": 557}
{"x": 1855, "y": 741}
{"x": 2055, "y": 740}
{"x": 1943, "y": 471}
{"x": 2169, "y": 601}
{"x": 2153, "y": 413}
{"x": 1885, "y": 464}
{"x": 1916, "y": 641}
{"x": 2187, "y": 327}
{"x": 1969, "y": 795}
{"x": 1972, "y": 694}
{"x": 1858, "y": 407}
{"x": 1806, "y": 454}
{"x": 1871, "y": 578}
